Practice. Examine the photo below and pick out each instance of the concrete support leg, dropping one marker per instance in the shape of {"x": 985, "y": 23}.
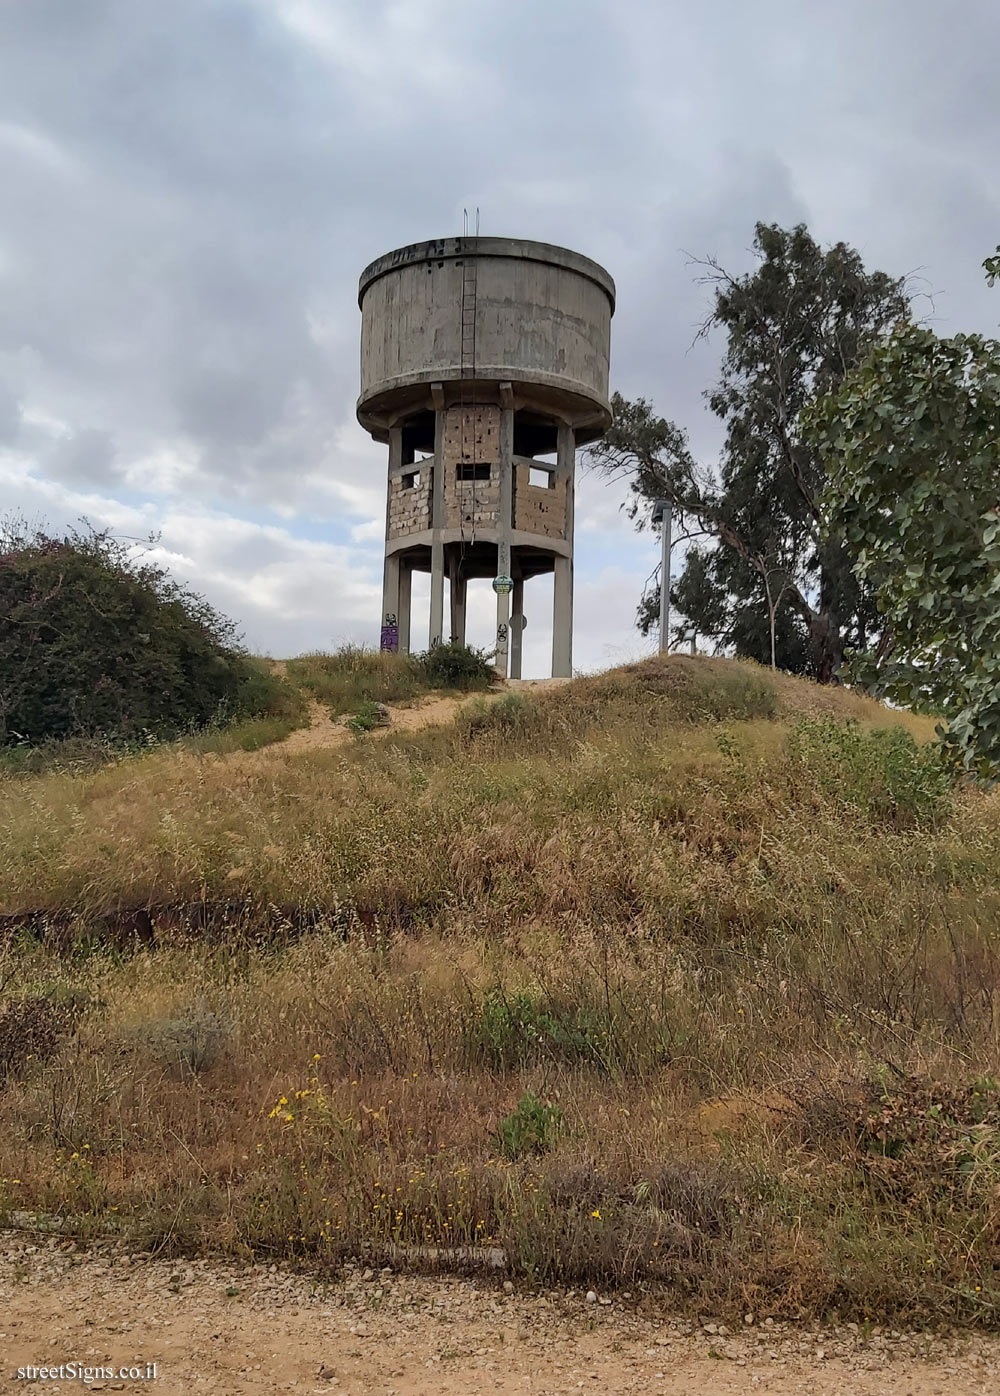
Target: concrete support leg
{"x": 505, "y": 522}
{"x": 459, "y": 590}
{"x": 562, "y": 591}
{"x": 516, "y": 627}
{"x": 437, "y": 593}
{"x": 390, "y": 603}
{"x": 389, "y": 638}
{"x": 437, "y": 524}
{"x": 405, "y": 592}
{"x": 562, "y": 619}
{"x": 503, "y": 630}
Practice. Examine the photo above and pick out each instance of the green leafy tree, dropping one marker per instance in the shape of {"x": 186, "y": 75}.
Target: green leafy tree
{"x": 770, "y": 584}
{"x": 96, "y": 641}
{"x": 912, "y": 442}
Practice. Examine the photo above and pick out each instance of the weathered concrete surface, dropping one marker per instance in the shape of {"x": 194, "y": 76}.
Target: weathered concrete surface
{"x": 490, "y": 353}
{"x": 542, "y": 322}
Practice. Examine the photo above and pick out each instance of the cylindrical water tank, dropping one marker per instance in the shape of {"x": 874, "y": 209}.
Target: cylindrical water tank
{"x": 485, "y": 310}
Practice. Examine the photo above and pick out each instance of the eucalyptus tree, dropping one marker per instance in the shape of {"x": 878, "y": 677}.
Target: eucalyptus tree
{"x": 762, "y": 577}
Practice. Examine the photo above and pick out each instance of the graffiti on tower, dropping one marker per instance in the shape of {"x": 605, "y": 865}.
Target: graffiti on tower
{"x": 390, "y": 634}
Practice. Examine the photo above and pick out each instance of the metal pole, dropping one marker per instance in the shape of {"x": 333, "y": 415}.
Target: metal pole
{"x": 665, "y": 521}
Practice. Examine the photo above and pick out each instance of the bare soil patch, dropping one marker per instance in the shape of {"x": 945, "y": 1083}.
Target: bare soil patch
{"x": 231, "y": 1331}
{"x": 325, "y": 731}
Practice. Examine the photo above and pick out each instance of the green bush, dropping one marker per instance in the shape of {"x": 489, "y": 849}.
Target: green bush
{"x": 260, "y": 692}
{"x": 368, "y": 717}
{"x": 455, "y": 666}
{"x": 94, "y": 641}
{"x": 356, "y": 675}
{"x": 530, "y": 1128}
{"x": 883, "y": 773}
{"x": 518, "y": 1029}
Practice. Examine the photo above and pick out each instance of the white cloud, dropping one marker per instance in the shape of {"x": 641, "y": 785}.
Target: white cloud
{"x": 191, "y": 191}
{"x": 36, "y": 147}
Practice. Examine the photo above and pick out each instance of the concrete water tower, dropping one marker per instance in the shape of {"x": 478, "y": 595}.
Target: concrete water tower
{"x": 484, "y": 365}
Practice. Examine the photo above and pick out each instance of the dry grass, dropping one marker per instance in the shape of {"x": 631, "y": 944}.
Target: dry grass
{"x": 718, "y": 932}
{"x": 354, "y": 676}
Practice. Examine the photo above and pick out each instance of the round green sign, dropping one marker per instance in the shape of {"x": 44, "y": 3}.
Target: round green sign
{"x": 502, "y": 585}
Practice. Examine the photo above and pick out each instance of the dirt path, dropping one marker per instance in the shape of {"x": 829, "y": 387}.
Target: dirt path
{"x": 324, "y": 731}
{"x": 225, "y": 1331}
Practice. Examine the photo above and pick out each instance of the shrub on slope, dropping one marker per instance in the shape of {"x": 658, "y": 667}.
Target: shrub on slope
{"x": 95, "y": 641}
{"x": 355, "y": 675}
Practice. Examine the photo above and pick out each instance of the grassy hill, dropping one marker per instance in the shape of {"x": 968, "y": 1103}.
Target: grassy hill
{"x": 681, "y": 975}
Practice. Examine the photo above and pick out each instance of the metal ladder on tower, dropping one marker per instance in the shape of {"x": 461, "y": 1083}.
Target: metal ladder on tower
{"x": 469, "y": 279}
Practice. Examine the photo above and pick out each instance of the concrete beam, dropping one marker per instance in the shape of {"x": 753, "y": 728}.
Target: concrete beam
{"x": 519, "y": 538}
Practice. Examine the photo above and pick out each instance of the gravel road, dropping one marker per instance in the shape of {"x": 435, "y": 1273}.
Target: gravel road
{"x": 223, "y": 1330}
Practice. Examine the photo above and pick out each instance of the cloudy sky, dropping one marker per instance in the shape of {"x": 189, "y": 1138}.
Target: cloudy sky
{"x": 191, "y": 188}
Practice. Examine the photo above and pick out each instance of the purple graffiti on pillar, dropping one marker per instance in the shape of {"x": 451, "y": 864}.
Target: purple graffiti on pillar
{"x": 390, "y": 635}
